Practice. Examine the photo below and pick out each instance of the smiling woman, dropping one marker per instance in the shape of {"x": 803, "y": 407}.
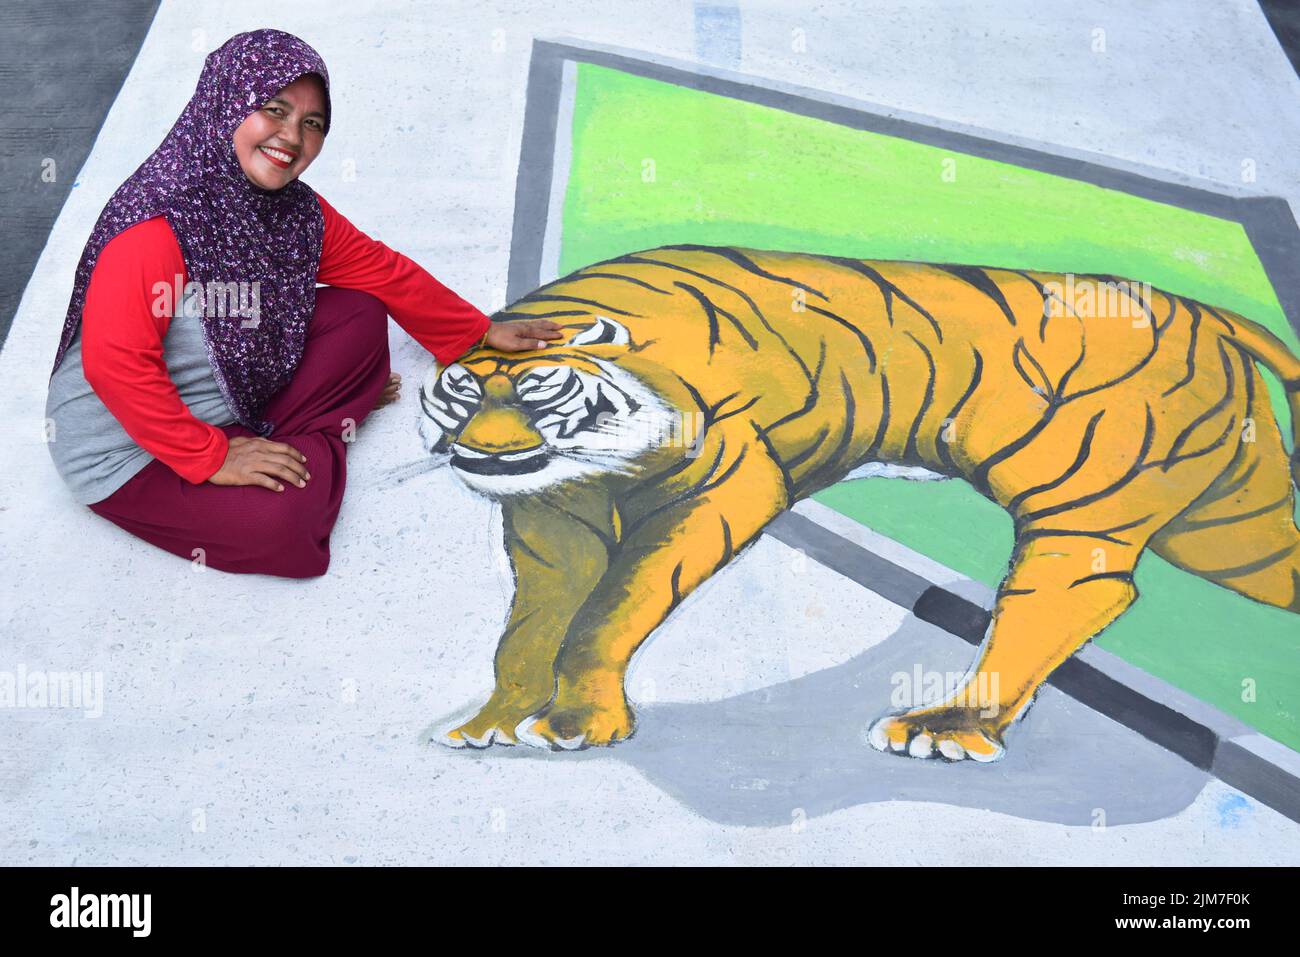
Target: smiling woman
{"x": 276, "y": 143}
{"x": 220, "y": 439}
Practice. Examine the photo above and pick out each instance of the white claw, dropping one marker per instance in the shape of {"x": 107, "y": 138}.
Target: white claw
{"x": 920, "y": 746}
{"x": 952, "y": 750}
{"x": 482, "y": 742}
{"x": 879, "y": 740}
{"x": 524, "y": 734}
{"x": 447, "y": 741}
{"x": 986, "y": 758}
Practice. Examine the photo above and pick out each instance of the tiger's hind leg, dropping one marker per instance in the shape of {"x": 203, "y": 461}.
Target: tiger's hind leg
{"x": 1241, "y": 534}
{"x": 1071, "y": 575}
{"x": 1050, "y": 604}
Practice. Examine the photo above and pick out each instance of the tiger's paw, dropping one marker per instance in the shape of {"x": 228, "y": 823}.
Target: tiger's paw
{"x": 574, "y": 727}
{"x": 955, "y": 734}
{"x": 495, "y": 723}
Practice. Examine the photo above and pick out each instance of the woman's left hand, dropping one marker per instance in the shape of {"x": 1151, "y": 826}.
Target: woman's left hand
{"x": 520, "y": 335}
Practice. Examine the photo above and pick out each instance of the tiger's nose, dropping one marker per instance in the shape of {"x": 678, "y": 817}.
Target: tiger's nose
{"x": 498, "y": 386}
{"x": 493, "y": 431}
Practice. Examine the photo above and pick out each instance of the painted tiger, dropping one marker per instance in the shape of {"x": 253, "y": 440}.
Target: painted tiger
{"x": 1101, "y": 435}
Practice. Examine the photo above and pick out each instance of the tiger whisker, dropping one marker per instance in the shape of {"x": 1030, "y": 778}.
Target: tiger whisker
{"x": 393, "y": 477}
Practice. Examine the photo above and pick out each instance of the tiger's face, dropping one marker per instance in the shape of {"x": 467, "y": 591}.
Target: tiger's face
{"x": 516, "y": 423}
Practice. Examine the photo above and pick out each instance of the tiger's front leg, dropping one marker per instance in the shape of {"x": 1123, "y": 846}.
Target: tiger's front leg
{"x": 558, "y": 548}
{"x": 662, "y": 560}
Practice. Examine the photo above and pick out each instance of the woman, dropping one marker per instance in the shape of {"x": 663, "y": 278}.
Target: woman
{"x": 220, "y": 434}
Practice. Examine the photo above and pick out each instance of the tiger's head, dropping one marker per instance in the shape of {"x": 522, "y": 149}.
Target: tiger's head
{"x": 516, "y": 423}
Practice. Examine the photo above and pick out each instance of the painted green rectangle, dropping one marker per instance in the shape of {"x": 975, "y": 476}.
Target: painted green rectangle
{"x": 653, "y": 163}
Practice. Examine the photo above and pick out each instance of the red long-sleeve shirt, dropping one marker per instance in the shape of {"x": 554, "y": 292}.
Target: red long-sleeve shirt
{"x": 122, "y": 339}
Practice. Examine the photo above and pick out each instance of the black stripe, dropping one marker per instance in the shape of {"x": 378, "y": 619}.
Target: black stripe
{"x": 508, "y": 314}
{"x": 1104, "y": 576}
{"x": 1239, "y": 482}
{"x": 1191, "y": 346}
{"x": 541, "y": 296}
{"x": 758, "y": 313}
{"x": 1136, "y": 469}
{"x": 862, "y": 336}
{"x": 807, "y": 451}
{"x": 980, "y": 477}
{"x": 1173, "y": 309}
{"x": 681, "y": 496}
{"x": 814, "y": 395}
{"x": 1047, "y": 300}
{"x": 1251, "y": 567}
{"x": 727, "y": 473}
{"x": 1043, "y": 388}
{"x": 747, "y": 264}
{"x": 1193, "y": 526}
{"x": 1085, "y": 447}
{"x": 1229, "y": 393}
{"x": 728, "y": 551}
{"x": 941, "y": 444}
{"x": 712, "y": 310}
{"x": 715, "y": 334}
{"x": 874, "y": 448}
{"x": 910, "y": 453}
{"x": 790, "y": 490}
{"x": 1232, "y": 330}
{"x": 834, "y": 463}
{"x": 888, "y": 290}
{"x": 1166, "y": 464}
{"x": 979, "y": 279}
{"x": 1033, "y": 533}
{"x": 735, "y": 411}
{"x": 610, "y": 275}
{"x": 1108, "y": 534}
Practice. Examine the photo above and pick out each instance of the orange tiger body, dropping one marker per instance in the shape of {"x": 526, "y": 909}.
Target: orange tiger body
{"x": 1102, "y": 431}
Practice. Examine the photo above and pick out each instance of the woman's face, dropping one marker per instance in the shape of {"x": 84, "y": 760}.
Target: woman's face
{"x": 278, "y": 142}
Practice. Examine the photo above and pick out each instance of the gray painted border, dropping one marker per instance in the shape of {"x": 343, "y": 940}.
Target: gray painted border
{"x": 1196, "y": 731}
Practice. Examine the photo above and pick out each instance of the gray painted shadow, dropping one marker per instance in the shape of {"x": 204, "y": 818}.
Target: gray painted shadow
{"x": 756, "y": 758}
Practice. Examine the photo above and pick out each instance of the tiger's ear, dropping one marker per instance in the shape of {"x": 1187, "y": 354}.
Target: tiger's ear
{"x": 604, "y": 331}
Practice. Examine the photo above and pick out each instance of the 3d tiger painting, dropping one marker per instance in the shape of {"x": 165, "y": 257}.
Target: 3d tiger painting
{"x": 1101, "y": 436}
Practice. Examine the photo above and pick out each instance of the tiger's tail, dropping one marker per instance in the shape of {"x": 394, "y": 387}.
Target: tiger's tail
{"x": 1271, "y": 352}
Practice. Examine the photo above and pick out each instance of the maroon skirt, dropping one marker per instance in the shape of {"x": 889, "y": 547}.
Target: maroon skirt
{"x": 248, "y": 528}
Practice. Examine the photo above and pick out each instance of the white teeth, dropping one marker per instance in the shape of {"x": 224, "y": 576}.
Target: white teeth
{"x": 507, "y": 456}
{"x": 282, "y": 157}
{"x": 468, "y": 453}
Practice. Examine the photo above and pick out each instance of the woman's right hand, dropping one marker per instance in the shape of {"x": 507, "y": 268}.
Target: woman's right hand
{"x": 252, "y": 460}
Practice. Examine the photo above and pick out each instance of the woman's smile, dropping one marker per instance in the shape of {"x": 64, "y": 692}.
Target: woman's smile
{"x": 280, "y": 158}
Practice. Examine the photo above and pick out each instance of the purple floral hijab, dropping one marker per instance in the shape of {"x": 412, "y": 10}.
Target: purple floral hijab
{"x": 229, "y": 230}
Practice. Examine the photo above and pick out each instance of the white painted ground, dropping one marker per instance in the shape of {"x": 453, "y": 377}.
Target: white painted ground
{"x": 253, "y": 720}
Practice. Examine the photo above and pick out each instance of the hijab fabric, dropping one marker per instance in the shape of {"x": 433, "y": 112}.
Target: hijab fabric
{"x": 229, "y": 229}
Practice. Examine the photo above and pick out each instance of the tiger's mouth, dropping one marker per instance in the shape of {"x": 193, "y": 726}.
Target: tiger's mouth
{"x": 499, "y": 463}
